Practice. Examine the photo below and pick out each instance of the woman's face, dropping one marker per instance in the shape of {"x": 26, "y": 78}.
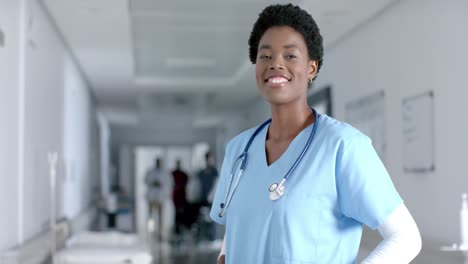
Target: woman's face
{"x": 283, "y": 67}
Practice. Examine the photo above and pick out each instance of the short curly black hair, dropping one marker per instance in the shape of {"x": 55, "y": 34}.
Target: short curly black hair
{"x": 292, "y": 16}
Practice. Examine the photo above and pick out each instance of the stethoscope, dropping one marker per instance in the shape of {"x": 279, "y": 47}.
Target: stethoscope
{"x": 276, "y": 190}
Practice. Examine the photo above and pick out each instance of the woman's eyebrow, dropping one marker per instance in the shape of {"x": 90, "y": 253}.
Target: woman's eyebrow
{"x": 290, "y": 46}
{"x": 264, "y": 46}
{"x": 287, "y": 46}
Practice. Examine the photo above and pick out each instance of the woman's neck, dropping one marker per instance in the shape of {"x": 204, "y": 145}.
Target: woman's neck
{"x": 288, "y": 121}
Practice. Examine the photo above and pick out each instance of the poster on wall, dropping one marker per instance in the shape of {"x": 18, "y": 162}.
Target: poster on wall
{"x": 417, "y": 133}
{"x": 368, "y": 115}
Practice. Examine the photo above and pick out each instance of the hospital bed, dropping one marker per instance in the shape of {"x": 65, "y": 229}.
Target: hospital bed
{"x": 103, "y": 248}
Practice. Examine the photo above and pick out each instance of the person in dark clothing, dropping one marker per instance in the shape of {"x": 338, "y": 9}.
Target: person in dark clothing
{"x": 207, "y": 178}
{"x": 179, "y": 195}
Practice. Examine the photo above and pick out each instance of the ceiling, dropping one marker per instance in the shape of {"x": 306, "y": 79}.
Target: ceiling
{"x": 144, "y": 55}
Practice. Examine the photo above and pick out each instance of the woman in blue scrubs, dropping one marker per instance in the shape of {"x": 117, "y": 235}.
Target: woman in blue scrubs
{"x": 335, "y": 183}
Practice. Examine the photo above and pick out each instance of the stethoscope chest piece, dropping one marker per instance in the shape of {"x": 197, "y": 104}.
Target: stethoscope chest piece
{"x": 276, "y": 191}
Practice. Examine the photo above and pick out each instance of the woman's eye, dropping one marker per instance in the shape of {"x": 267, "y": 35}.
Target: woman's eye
{"x": 264, "y": 57}
{"x": 291, "y": 56}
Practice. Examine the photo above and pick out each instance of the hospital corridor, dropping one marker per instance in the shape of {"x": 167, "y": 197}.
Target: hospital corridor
{"x": 237, "y": 131}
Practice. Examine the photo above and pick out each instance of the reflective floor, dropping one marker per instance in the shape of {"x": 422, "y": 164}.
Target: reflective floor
{"x": 186, "y": 248}
{"x": 185, "y": 252}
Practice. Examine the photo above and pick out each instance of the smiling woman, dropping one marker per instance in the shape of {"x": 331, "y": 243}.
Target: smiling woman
{"x": 299, "y": 187}
{"x": 282, "y": 61}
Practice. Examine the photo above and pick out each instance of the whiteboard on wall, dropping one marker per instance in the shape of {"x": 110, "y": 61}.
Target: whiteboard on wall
{"x": 417, "y": 133}
{"x": 368, "y": 115}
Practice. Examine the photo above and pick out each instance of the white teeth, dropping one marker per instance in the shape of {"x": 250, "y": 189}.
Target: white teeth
{"x": 277, "y": 80}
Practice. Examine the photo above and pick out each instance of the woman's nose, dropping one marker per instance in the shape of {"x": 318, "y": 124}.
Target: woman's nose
{"x": 276, "y": 63}
{"x": 276, "y": 66}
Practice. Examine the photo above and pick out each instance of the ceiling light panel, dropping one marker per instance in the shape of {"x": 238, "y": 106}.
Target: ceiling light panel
{"x": 191, "y": 41}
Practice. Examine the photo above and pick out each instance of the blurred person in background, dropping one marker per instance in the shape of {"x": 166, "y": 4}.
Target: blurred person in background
{"x": 207, "y": 177}
{"x": 179, "y": 198}
{"x": 158, "y": 186}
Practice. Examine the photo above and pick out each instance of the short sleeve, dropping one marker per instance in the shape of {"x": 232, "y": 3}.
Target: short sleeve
{"x": 221, "y": 187}
{"x": 365, "y": 189}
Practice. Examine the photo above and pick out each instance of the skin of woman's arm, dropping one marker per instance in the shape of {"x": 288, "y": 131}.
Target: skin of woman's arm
{"x": 222, "y": 253}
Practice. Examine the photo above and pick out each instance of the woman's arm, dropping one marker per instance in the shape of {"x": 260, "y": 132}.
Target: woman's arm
{"x": 222, "y": 254}
{"x": 401, "y": 239}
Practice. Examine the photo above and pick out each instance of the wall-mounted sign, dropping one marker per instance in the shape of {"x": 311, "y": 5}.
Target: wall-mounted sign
{"x": 418, "y": 133}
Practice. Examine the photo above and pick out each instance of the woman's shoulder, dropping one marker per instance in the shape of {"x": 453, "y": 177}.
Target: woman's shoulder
{"x": 339, "y": 130}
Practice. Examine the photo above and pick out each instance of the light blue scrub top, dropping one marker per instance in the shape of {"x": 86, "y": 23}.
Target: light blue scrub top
{"x": 339, "y": 185}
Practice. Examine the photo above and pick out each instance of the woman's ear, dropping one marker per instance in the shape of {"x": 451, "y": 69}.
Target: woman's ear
{"x": 313, "y": 66}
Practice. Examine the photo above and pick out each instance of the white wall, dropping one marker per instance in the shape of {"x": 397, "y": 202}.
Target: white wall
{"x": 43, "y": 116}
{"x": 43, "y": 123}
{"x": 412, "y": 47}
{"x": 9, "y": 116}
{"x": 42, "y": 97}
{"x": 79, "y": 143}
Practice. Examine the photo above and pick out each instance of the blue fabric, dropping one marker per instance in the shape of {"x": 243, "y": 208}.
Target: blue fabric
{"x": 339, "y": 185}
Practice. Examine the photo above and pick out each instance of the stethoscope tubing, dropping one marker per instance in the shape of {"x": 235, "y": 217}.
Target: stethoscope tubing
{"x": 306, "y": 147}
{"x": 243, "y": 158}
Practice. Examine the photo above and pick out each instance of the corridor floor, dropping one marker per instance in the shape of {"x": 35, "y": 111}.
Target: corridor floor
{"x": 185, "y": 253}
